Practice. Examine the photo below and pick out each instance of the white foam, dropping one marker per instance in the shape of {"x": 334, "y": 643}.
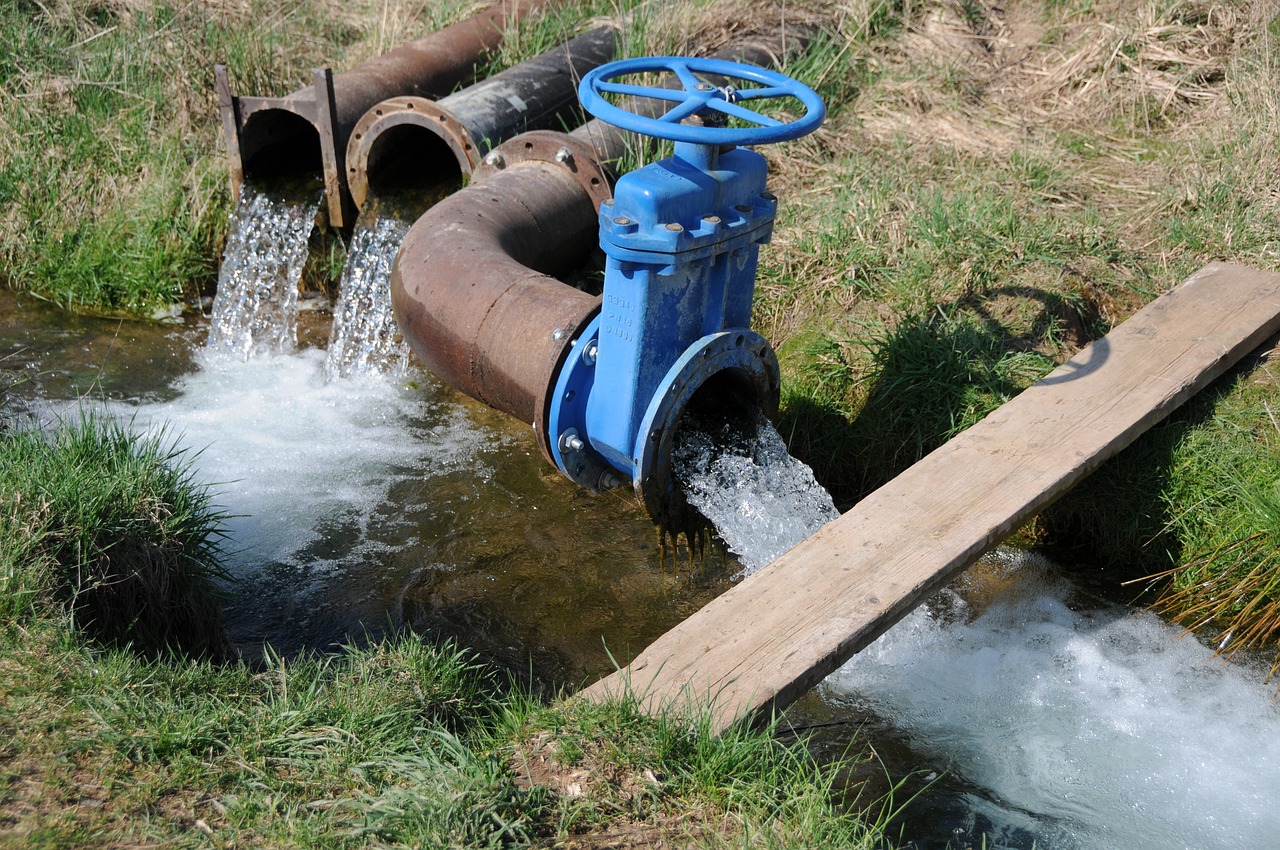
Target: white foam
{"x": 761, "y": 500}
{"x": 293, "y": 455}
{"x": 255, "y": 309}
{"x": 365, "y": 336}
{"x": 1094, "y": 728}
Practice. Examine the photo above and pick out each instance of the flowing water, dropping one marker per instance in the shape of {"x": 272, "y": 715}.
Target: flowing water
{"x": 374, "y": 502}
{"x": 255, "y": 310}
{"x": 1045, "y": 718}
{"x": 741, "y": 477}
{"x": 365, "y": 337}
{"x": 1054, "y": 719}
{"x": 1029, "y": 708}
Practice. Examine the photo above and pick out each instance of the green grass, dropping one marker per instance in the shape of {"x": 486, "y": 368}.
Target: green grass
{"x": 113, "y": 182}
{"x": 112, "y": 531}
{"x": 126, "y": 722}
{"x": 959, "y": 227}
{"x": 1189, "y": 513}
{"x": 402, "y": 743}
{"x": 743, "y": 787}
{"x": 969, "y": 216}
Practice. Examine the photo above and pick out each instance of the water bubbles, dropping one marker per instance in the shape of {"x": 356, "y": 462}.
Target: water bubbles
{"x": 255, "y": 310}
{"x": 761, "y": 500}
{"x": 365, "y": 337}
{"x": 1071, "y": 727}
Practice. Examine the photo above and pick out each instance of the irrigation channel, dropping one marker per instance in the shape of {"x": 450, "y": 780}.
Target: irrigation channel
{"x": 1023, "y": 704}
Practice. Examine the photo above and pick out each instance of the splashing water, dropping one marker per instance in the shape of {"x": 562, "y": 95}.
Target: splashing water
{"x": 364, "y": 336}
{"x": 1055, "y": 722}
{"x": 255, "y": 310}
{"x": 761, "y": 500}
{"x": 1070, "y": 723}
{"x": 307, "y": 468}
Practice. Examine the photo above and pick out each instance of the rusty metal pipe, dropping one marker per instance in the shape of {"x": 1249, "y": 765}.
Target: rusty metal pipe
{"x": 412, "y": 140}
{"x": 307, "y": 131}
{"x": 472, "y": 287}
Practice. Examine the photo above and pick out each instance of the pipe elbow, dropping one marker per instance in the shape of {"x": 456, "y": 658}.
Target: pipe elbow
{"x": 474, "y": 293}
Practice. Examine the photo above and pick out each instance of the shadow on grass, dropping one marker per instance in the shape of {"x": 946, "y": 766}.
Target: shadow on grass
{"x": 859, "y": 423}
{"x": 868, "y": 408}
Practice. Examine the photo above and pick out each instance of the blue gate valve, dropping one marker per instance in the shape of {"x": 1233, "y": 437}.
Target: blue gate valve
{"x": 681, "y": 239}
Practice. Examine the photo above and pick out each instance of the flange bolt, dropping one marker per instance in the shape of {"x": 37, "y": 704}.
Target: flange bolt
{"x": 570, "y": 442}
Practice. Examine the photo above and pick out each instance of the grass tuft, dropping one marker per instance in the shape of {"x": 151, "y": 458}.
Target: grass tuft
{"x": 111, "y": 529}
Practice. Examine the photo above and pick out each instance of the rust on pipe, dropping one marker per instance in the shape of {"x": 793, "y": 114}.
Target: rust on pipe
{"x": 473, "y": 287}
{"x": 473, "y": 292}
{"x": 307, "y": 131}
{"x": 598, "y": 146}
{"x": 414, "y": 140}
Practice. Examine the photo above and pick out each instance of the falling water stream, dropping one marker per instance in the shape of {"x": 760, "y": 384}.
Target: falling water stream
{"x": 256, "y": 306}
{"x": 1046, "y": 717}
{"x": 1028, "y": 709}
{"x": 741, "y": 477}
{"x": 365, "y": 338}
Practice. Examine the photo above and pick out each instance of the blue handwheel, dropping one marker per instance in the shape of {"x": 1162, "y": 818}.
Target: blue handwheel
{"x": 695, "y": 96}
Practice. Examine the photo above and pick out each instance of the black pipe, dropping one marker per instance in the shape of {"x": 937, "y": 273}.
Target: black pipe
{"x": 414, "y": 141}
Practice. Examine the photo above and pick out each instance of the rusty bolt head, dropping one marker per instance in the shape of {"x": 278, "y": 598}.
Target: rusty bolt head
{"x": 674, "y": 227}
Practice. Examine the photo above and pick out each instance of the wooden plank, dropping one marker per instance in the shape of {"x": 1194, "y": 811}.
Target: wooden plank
{"x": 780, "y": 631}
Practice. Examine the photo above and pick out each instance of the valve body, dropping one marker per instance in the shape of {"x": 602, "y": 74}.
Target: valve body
{"x": 681, "y": 239}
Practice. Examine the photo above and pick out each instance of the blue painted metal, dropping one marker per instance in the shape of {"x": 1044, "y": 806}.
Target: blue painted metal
{"x": 698, "y": 96}
{"x": 681, "y": 239}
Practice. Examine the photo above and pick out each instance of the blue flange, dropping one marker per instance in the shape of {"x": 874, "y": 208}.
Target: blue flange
{"x": 681, "y": 238}
{"x": 567, "y": 422}
{"x": 745, "y": 356}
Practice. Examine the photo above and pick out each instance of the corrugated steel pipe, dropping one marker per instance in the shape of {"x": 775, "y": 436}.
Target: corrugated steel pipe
{"x": 474, "y": 288}
{"x": 410, "y": 141}
{"x": 307, "y": 131}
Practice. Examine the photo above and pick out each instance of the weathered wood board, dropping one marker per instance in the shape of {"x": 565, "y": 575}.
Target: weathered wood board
{"x": 779, "y": 632}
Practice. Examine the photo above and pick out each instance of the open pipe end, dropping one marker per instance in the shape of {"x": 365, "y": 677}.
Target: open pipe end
{"x": 407, "y": 143}
{"x": 724, "y": 373}
{"x": 733, "y": 371}
{"x": 279, "y": 143}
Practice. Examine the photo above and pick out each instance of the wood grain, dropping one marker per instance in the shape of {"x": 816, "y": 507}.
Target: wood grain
{"x": 779, "y": 632}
